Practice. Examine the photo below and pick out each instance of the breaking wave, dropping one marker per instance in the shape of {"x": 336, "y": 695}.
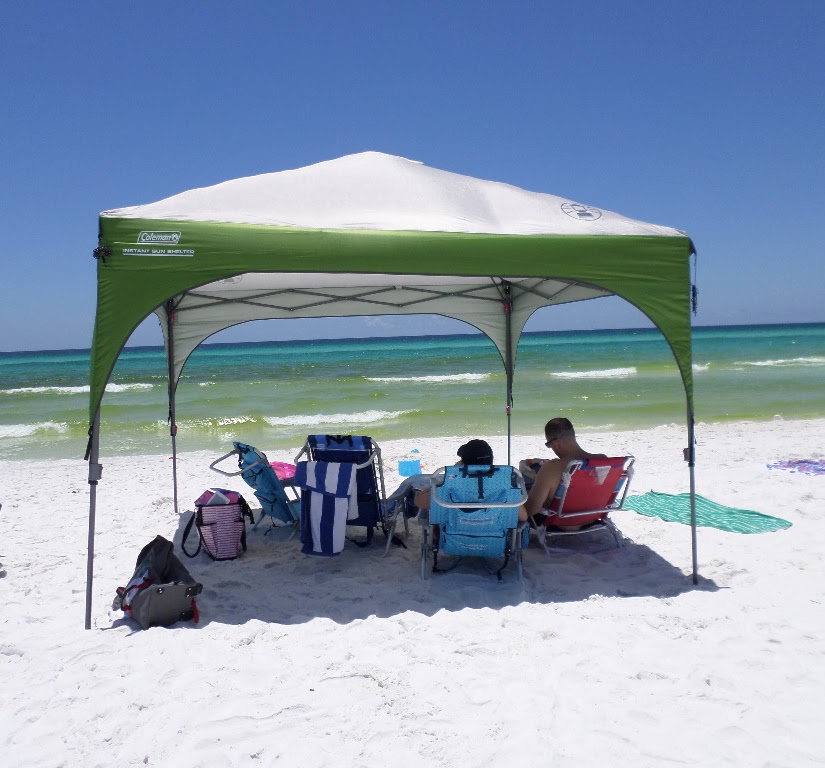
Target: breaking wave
{"x": 219, "y": 421}
{"x": 27, "y": 430}
{"x": 432, "y": 379}
{"x": 78, "y": 390}
{"x": 606, "y": 373}
{"x": 783, "y": 363}
{"x": 364, "y": 417}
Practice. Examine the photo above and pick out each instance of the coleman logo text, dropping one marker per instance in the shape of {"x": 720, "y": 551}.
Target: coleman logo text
{"x": 167, "y": 238}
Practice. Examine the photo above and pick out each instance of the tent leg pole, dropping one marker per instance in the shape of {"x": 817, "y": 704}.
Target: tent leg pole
{"x": 692, "y": 470}
{"x": 95, "y": 472}
{"x": 170, "y": 373}
{"x": 508, "y": 363}
{"x": 175, "y": 469}
{"x": 509, "y": 434}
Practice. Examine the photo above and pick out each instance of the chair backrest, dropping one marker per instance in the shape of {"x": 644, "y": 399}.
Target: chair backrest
{"x": 476, "y": 506}
{"x": 369, "y": 477}
{"x": 260, "y": 476}
{"x": 592, "y": 487}
{"x": 354, "y": 449}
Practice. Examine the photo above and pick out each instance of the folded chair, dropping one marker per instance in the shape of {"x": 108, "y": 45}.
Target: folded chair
{"x": 365, "y": 505}
{"x": 259, "y": 474}
{"x": 476, "y": 510}
{"x": 590, "y": 489}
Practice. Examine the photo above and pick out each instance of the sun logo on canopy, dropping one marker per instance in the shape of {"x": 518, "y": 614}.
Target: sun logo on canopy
{"x": 581, "y": 212}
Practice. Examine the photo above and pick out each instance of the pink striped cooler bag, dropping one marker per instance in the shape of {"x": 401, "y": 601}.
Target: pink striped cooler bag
{"x": 220, "y": 519}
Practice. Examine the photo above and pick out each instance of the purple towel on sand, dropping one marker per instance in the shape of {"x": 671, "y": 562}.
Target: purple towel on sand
{"x": 803, "y": 466}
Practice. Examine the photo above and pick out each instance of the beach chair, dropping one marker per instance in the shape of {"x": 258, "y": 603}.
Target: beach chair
{"x": 363, "y": 455}
{"x": 260, "y": 475}
{"x": 475, "y": 509}
{"x": 590, "y": 489}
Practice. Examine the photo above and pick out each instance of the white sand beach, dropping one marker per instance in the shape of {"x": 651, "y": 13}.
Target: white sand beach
{"x": 602, "y": 656}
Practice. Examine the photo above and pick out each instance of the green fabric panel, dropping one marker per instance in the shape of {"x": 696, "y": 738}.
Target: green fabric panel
{"x": 676, "y": 509}
{"x": 650, "y": 272}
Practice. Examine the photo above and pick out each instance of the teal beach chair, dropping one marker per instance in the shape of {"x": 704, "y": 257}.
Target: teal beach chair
{"x": 258, "y": 473}
{"x": 476, "y": 510}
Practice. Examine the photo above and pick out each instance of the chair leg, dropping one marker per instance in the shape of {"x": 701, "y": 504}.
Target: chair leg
{"x": 523, "y": 534}
{"x": 390, "y": 534}
{"x": 402, "y": 512}
{"x": 426, "y": 568}
{"x": 541, "y": 535}
{"x": 544, "y": 536}
{"x": 543, "y": 540}
{"x": 518, "y": 533}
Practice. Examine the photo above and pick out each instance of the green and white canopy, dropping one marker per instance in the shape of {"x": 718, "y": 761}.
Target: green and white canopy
{"x": 372, "y": 234}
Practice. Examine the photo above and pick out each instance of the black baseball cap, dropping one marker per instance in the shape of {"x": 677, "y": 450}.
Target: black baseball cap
{"x": 476, "y": 452}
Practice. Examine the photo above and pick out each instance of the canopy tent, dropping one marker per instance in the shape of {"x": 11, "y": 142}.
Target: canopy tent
{"x": 371, "y": 234}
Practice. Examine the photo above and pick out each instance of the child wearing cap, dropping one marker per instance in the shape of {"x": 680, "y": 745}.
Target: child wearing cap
{"x": 472, "y": 452}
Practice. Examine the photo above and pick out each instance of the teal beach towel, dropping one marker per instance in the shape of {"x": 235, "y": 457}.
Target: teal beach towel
{"x": 676, "y": 509}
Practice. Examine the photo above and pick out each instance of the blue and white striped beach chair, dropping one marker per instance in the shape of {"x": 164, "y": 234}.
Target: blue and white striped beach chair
{"x": 364, "y": 456}
{"x": 476, "y": 510}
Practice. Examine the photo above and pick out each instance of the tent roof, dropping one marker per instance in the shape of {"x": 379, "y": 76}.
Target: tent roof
{"x": 374, "y": 234}
{"x": 375, "y": 191}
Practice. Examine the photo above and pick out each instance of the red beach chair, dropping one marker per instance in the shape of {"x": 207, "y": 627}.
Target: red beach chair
{"x": 589, "y": 491}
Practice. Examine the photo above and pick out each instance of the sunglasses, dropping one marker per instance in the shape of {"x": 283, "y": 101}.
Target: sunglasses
{"x": 552, "y": 439}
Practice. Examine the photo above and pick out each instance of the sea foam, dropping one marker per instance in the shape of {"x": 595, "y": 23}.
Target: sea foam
{"x": 364, "y": 417}
{"x": 218, "y": 421}
{"x": 783, "y": 363}
{"x": 606, "y": 373}
{"x": 127, "y": 387}
{"x": 432, "y": 379}
{"x": 27, "y": 430}
{"x": 78, "y": 390}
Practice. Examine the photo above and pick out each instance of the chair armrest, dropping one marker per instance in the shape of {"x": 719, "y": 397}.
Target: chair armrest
{"x": 214, "y": 468}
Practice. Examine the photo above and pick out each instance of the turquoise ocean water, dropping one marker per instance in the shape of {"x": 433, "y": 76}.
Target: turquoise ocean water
{"x": 272, "y": 394}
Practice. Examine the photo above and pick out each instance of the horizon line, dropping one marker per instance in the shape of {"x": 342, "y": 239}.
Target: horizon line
{"x": 414, "y": 336}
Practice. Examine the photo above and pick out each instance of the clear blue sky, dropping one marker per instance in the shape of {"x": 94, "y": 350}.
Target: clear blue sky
{"x": 706, "y": 116}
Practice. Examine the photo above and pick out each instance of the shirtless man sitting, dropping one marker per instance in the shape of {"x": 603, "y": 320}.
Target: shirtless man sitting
{"x": 561, "y": 439}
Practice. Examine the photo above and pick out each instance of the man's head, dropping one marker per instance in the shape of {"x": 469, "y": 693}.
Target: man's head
{"x": 558, "y": 431}
{"x": 476, "y": 452}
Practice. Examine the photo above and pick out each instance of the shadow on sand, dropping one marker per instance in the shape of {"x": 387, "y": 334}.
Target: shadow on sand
{"x": 274, "y": 582}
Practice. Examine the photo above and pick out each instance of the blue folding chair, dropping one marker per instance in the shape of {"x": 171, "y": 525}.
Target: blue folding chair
{"x": 365, "y": 454}
{"x": 255, "y": 469}
{"x": 476, "y": 510}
